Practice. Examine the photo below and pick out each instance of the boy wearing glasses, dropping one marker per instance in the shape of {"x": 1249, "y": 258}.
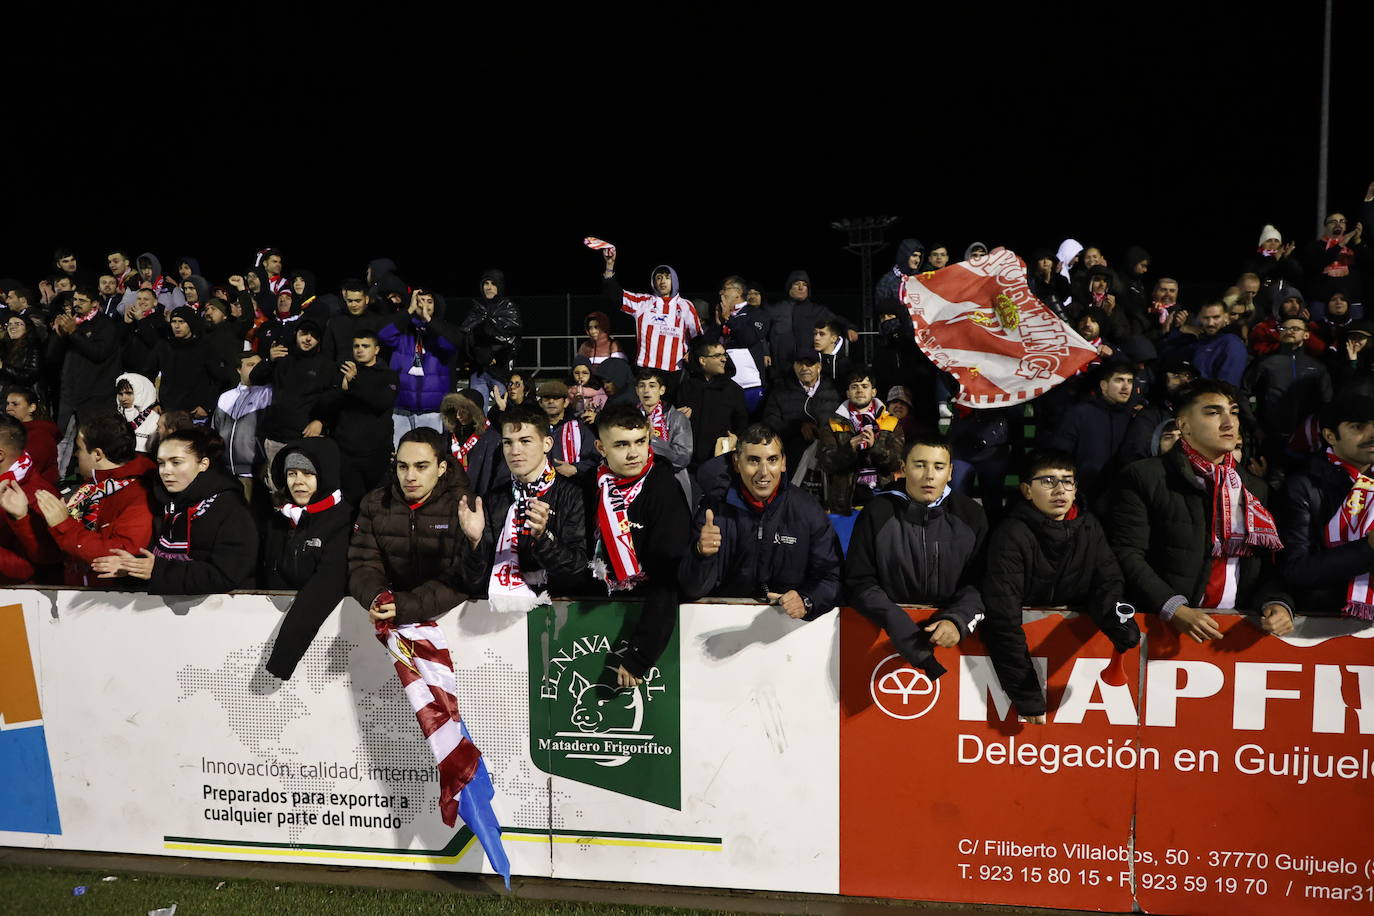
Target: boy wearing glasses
{"x": 1048, "y": 552}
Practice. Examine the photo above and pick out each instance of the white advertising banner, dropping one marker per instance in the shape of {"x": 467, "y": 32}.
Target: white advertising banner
{"x": 147, "y": 725}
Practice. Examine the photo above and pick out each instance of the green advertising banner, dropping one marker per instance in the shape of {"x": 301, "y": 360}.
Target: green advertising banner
{"x": 585, "y": 728}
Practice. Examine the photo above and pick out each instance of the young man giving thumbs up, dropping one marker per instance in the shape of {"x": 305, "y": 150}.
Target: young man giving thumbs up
{"x": 763, "y": 538}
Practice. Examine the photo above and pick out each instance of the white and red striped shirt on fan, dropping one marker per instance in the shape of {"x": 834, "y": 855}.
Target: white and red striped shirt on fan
{"x": 663, "y": 327}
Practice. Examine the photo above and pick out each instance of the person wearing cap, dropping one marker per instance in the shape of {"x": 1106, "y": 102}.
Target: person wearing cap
{"x": 193, "y": 371}
{"x": 1093, "y": 430}
{"x": 1288, "y": 386}
{"x": 1190, "y": 527}
{"x": 574, "y": 441}
{"x": 799, "y": 404}
{"x": 298, "y": 375}
{"x": 1326, "y": 515}
{"x": 760, "y": 537}
{"x": 306, "y": 548}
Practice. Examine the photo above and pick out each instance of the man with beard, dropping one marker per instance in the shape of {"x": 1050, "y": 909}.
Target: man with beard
{"x": 764, "y": 538}
{"x": 1163, "y": 305}
{"x": 1219, "y": 354}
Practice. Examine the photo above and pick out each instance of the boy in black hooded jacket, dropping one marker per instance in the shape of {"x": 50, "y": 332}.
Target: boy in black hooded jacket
{"x": 1048, "y": 552}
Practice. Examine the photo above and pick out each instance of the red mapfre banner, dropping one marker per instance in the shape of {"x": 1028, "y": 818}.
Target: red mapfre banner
{"x": 1244, "y": 765}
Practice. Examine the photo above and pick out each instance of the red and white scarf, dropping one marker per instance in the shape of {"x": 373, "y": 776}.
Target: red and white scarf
{"x": 570, "y": 436}
{"x": 82, "y": 319}
{"x": 1239, "y": 524}
{"x": 425, "y": 668}
{"x": 417, "y": 359}
{"x": 508, "y": 588}
{"x": 615, "y": 496}
{"x": 658, "y": 419}
{"x": 19, "y": 470}
{"x": 860, "y": 418}
{"x": 1340, "y": 266}
{"x": 84, "y": 504}
{"x": 1352, "y": 521}
{"x": 1161, "y": 312}
{"x": 294, "y": 512}
{"x": 461, "y": 450}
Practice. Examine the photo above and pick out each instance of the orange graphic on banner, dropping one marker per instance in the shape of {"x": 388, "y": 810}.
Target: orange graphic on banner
{"x": 18, "y": 692}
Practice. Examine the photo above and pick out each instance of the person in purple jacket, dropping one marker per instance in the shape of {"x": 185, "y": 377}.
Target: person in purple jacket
{"x": 421, "y": 345}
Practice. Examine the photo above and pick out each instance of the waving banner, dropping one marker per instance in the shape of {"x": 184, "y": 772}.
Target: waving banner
{"x": 978, "y": 321}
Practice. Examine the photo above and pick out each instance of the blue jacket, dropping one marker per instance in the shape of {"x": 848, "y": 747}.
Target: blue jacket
{"x": 419, "y": 393}
{"x": 1222, "y": 357}
{"x": 790, "y": 546}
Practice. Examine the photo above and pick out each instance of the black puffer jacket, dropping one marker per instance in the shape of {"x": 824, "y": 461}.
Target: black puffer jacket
{"x": 1093, "y": 431}
{"x": 310, "y": 555}
{"x": 903, "y": 552}
{"x": 561, "y": 552}
{"x": 90, "y": 359}
{"x": 1160, "y": 529}
{"x": 1319, "y": 576}
{"x": 791, "y": 545}
{"x": 206, "y": 542}
{"x": 1036, "y": 561}
{"x": 789, "y": 408}
{"x": 416, "y": 553}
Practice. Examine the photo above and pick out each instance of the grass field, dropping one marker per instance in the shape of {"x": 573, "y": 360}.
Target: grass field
{"x": 38, "y": 891}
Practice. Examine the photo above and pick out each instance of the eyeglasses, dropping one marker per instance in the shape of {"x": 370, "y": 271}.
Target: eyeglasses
{"x": 1052, "y": 483}
{"x": 720, "y": 355}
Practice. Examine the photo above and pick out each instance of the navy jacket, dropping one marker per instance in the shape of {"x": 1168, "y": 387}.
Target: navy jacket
{"x": 791, "y": 545}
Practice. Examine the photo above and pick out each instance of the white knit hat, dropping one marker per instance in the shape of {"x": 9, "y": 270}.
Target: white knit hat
{"x": 1269, "y": 232}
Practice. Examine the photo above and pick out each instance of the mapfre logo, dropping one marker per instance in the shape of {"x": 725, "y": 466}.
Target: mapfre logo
{"x": 901, "y": 691}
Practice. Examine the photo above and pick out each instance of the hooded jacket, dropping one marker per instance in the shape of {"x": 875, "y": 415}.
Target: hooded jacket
{"x": 486, "y": 466}
{"x": 904, "y": 552}
{"x": 416, "y": 553}
{"x": 789, "y": 545}
{"x": 221, "y": 546}
{"x": 309, "y": 555}
{"x": 890, "y": 283}
{"x": 193, "y": 372}
{"x": 141, "y": 417}
{"x": 169, "y": 294}
{"x": 1035, "y": 561}
{"x": 122, "y": 515}
{"x": 490, "y": 334}
{"x": 664, "y": 325}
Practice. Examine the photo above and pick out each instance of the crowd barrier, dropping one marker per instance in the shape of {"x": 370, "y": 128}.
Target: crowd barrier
{"x": 761, "y": 753}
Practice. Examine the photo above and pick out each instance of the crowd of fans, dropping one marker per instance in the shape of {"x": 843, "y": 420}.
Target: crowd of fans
{"x": 170, "y": 434}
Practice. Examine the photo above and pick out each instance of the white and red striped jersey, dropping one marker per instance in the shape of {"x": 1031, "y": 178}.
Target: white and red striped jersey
{"x": 663, "y": 327}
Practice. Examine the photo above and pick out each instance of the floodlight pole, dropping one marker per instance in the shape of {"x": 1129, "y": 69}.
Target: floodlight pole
{"x": 865, "y": 237}
{"x": 1323, "y": 147}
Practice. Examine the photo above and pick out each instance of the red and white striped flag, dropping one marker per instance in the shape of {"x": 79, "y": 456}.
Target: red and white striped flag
{"x": 426, "y": 671}
{"x": 597, "y": 244}
{"x": 978, "y": 321}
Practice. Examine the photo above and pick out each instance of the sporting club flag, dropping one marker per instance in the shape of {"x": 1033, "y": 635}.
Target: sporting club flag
{"x": 978, "y": 321}
{"x": 425, "y": 667}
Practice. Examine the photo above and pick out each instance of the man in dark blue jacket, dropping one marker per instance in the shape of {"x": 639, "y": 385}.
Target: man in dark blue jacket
{"x": 1093, "y": 430}
{"x": 764, "y": 538}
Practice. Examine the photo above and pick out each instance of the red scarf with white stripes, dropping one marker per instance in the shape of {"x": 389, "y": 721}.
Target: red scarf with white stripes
{"x": 460, "y": 451}
{"x": 1352, "y": 521}
{"x": 1340, "y": 267}
{"x": 294, "y": 512}
{"x": 19, "y": 470}
{"x": 615, "y": 496}
{"x": 1223, "y": 481}
{"x": 658, "y": 419}
{"x": 508, "y": 587}
{"x": 571, "y": 438}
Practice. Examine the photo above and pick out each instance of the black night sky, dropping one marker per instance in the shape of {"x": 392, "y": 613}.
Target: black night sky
{"x": 718, "y": 145}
